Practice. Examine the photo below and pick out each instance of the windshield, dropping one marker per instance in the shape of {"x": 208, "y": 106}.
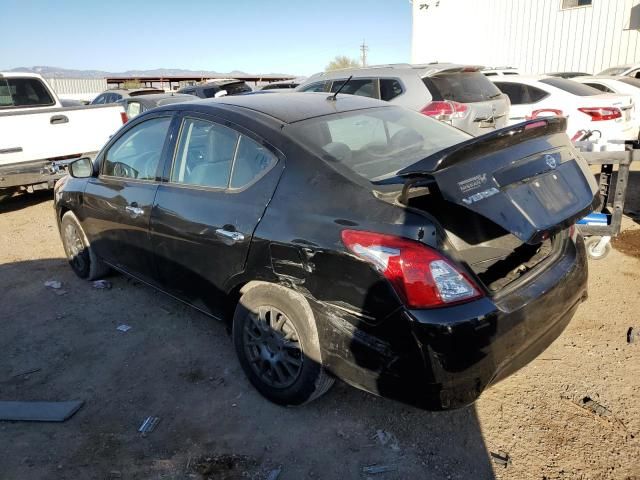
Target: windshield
{"x": 614, "y": 71}
{"x": 570, "y": 86}
{"x": 375, "y": 143}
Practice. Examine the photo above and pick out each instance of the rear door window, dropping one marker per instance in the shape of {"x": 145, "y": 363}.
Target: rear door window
{"x": 600, "y": 86}
{"x": 570, "y": 86}
{"x": 136, "y": 154}
{"x": 364, "y": 87}
{"x": 24, "y": 92}
{"x": 463, "y": 87}
{"x": 315, "y": 87}
{"x": 252, "y": 161}
{"x": 205, "y": 154}
{"x": 521, "y": 94}
{"x": 390, "y": 88}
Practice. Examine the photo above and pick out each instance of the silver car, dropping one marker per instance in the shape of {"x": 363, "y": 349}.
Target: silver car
{"x": 459, "y": 95}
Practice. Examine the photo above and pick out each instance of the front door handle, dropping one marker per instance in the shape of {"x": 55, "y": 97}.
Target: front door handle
{"x": 229, "y": 237}
{"x": 134, "y": 211}
{"x": 56, "y": 119}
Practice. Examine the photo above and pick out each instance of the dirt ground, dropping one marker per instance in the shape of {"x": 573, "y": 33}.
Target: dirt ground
{"x": 573, "y": 413}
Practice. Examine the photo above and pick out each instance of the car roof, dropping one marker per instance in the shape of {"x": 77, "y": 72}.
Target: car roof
{"x": 293, "y": 107}
{"x": 616, "y": 78}
{"x": 424, "y": 69}
{"x": 154, "y": 97}
{"x": 19, "y": 74}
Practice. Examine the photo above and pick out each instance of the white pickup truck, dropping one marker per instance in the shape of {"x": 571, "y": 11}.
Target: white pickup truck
{"x": 37, "y": 133}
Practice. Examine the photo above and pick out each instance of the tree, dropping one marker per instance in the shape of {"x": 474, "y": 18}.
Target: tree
{"x": 340, "y": 61}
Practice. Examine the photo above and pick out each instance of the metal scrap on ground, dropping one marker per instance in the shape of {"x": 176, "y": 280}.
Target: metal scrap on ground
{"x": 39, "y": 411}
{"x": 124, "y": 327}
{"x": 148, "y": 425}
{"x": 102, "y": 284}
{"x": 375, "y": 469}
{"x": 53, "y": 284}
{"x": 500, "y": 458}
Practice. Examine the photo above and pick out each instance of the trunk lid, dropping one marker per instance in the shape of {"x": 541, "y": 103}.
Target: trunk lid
{"x": 528, "y": 179}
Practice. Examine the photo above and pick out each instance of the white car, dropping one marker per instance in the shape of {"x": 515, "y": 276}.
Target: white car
{"x": 609, "y": 116}
{"x": 629, "y": 70}
{"x": 620, "y": 85}
{"x": 37, "y": 131}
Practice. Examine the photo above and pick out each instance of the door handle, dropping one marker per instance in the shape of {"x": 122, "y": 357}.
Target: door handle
{"x": 11, "y": 150}
{"x": 134, "y": 211}
{"x": 57, "y": 119}
{"x": 229, "y": 237}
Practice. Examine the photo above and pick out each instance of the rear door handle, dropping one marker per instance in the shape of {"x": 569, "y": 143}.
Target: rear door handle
{"x": 229, "y": 237}
{"x": 57, "y": 119}
{"x": 11, "y": 150}
{"x": 134, "y": 210}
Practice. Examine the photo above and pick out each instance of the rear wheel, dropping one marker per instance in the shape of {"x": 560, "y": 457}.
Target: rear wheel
{"x": 276, "y": 342}
{"x": 80, "y": 255}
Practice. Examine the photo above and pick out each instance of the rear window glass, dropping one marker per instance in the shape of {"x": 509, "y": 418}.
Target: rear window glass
{"x": 209, "y": 92}
{"x": 390, "y": 88}
{"x": 24, "y": 92}
{"x": 600, "y": 86}
{"x": 235, "y": 88}
{"x": 378, "y": 142}
{"x": 570, "y": 86}
{"x": 463, "y": 87}
{"x": 614, "y": 71}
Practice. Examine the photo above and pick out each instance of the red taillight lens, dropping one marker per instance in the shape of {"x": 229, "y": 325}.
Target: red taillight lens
{"x": 421, "y": 276}
{"x": 123, "y": 117}
{"x": 598, "y": 114}
{"x": 545, "y": 112}
{"x": 445, "y": 110}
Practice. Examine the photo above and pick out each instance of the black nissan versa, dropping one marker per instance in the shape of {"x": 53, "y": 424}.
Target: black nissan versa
{"x": 343, "y": 237}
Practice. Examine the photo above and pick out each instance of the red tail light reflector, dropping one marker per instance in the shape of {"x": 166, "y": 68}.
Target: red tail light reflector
{"x": 445, "y": 110}
{"x": 598, "y": 114}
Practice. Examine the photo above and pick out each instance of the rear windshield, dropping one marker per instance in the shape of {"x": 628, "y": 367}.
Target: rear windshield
{"x": 630, "y": 81}
{"x": 375, "y": 143}
{"x": 614, "y": 71}
{"x": 463, "y": 87}
{"x": 24, "y": 92}
{"x": 572, "y": 87}
{"x": 275, "y": 86}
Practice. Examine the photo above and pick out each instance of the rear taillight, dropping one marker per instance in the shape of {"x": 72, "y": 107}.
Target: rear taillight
{"x": 123, "y": 117}
{"x": 598, "y": 114}
{"x": 420, "y": 275}
{"x": 445, "y": 110}
{"x": 545, "y": 112}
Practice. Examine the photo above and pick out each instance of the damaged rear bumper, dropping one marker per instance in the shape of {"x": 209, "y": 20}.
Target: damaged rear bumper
{"x": 444, "y": 358}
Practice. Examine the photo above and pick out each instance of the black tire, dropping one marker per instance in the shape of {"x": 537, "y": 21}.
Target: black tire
{"x": 83, "y": 260}
{"x": 591, "y": 243}
{"x": 269, "y": 362}
{"x": 6, "y": 193}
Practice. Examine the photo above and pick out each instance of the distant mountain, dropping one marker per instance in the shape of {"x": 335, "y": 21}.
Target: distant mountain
{"x": 49, "y": 72}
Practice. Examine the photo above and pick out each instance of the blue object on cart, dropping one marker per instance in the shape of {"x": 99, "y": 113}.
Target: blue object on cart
{"x": 595, "y": 219}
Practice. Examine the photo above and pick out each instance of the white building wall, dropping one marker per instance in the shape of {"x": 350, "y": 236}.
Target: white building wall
{"x": 85, "y": 89}
{"x": 535, "y": 36}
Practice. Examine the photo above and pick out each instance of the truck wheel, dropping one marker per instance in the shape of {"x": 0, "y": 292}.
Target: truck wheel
{"x": 594, "y": 253}
{"x": 80, "y": 255}
{"x": 6, "y": 193}
{"x": 276, "y": 341}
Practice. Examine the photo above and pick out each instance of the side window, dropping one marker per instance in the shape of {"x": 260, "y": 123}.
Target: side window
{"x": 205, "y": 153}
{"x": 514, "y": 91}
{"x": 209, "y": 92}
{"x": 315, "y": 87}
{"x": 99, "y": 100}
{"x": 137, "y": 153}
{"x": 134, "y": 109}
{"x": 535, "y": 94}
{"x": 601, "y": 87}
{"x": 389, "y": 88}
{"x": 359, "y": 86}
{"x": 252, "y": 161}
{"x": 27, "y": 92}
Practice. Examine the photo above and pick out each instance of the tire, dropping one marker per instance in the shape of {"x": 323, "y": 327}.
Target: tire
{"x": 276, "y": 340}
{"x": 6, "y": 193}
{"x": 82, "y": 259}
{"x": 591, "y": 243}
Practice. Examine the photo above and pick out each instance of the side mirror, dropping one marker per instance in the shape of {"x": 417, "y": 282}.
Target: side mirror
{"x": 81, "y": 168}
{"x": 219, "y": 94}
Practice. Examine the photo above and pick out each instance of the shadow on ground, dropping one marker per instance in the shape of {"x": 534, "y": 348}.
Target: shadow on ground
{"x": 20, "y": 201}
{"x": 180, "y": 365}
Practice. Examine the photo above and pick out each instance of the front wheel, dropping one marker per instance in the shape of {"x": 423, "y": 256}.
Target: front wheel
{"x": 276, "y": 342}
{"x": 80, "y": 255}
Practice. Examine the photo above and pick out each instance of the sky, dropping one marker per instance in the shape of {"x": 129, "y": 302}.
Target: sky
{"x": 274, "y": 36}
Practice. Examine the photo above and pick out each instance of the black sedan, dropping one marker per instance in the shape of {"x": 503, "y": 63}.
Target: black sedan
{"x": 343, "y": 237}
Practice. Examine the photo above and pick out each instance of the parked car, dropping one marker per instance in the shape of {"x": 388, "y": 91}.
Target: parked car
{"x": 344, "y": 237}
{"x": 115, "y": 95}
{"x": 572, "y": 75}
{"x": 500, "y": 71}
{"x": 37, "y": 130}
{"x": 217, "y": 88}
{"x": 620, "y": 85}
{"x": 586, "y": 108}
{"x": 456, "y": 94}
{"x": 134, "y": 106}
{"x": 629, "y": 70}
